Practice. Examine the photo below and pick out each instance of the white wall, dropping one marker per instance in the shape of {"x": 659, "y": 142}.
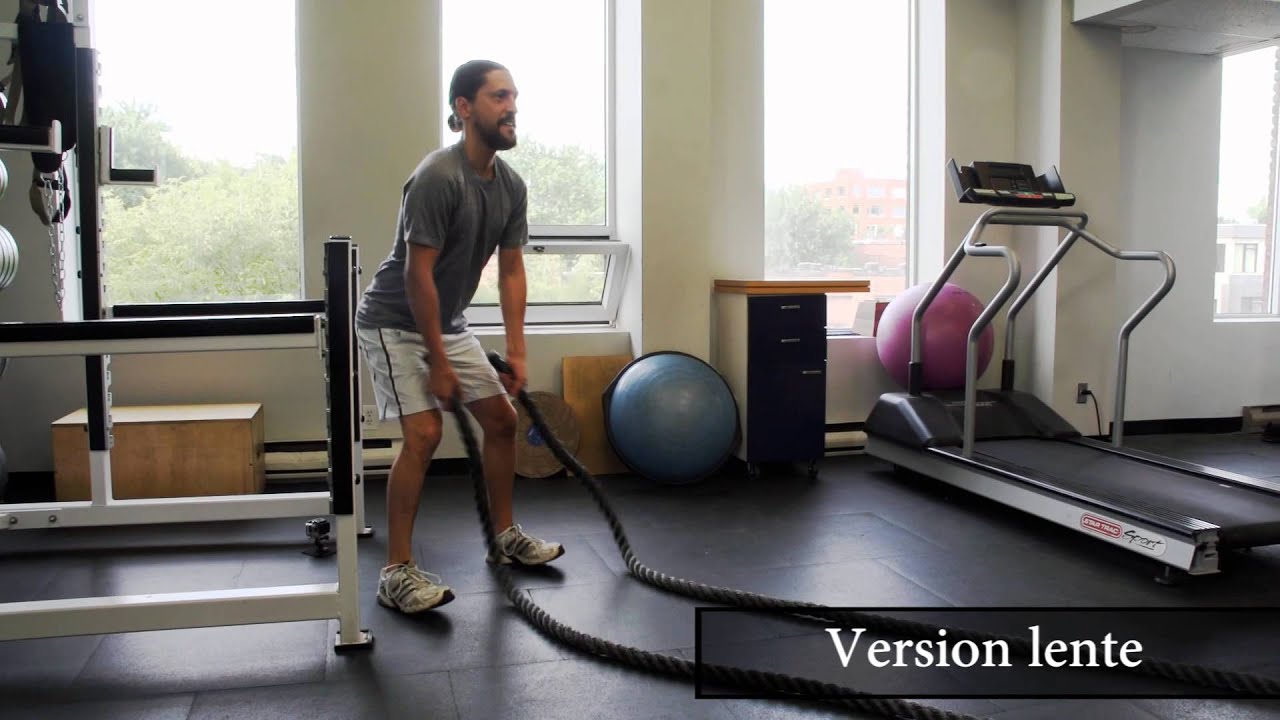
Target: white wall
{"x": 1039, "y": 138}
{"x": 981, "y": 95}
{"x": 1184, "y": 364}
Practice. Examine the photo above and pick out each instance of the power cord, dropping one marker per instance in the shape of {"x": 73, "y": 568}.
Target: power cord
{"x": 1096, "y": 412}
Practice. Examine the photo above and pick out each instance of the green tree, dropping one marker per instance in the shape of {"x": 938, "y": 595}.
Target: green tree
{"x": 231, "y": 234}
{"x": 567, "y": 184}
{"x": 212, "y": 231}
{"x": 799, "y": 229}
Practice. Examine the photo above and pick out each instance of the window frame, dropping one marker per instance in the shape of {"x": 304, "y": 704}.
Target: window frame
{"x": 1266, "y": 260}
{"x": 82, "y": 15}
{"x": 605, "y": 311}
{"x": 579, "y": 239}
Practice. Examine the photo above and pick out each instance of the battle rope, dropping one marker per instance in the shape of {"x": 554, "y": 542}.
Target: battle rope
{"x": 800, "y": 688}
{"x": 772, "y": 682}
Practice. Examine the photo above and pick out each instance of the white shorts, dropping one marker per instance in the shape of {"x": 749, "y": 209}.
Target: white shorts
{"x": 397, "y": 362}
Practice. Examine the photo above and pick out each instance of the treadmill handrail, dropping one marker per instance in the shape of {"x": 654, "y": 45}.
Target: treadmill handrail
{"x": 1072, "y": 220}
{"x": 1077, "y": 230}
{"x": 970, "y": 246}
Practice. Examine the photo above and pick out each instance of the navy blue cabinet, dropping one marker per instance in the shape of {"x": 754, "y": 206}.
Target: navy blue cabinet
{"x": 772, "y": 350}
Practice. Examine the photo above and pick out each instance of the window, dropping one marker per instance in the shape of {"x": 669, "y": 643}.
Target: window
{"x": 1246, "y": 186}
{"x": 1246, "y": 258}
{"x": 574, "y": 261}
{"x": 222, "y": 129}
{"x": 869, "y": 149}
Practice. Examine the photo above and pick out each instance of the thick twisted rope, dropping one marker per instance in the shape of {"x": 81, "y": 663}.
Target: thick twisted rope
{"x": 775, "y": 683}
{"x": 657, "y": 663}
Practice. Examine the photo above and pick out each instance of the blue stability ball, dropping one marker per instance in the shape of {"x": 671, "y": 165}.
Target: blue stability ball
{"x": 671, "y": 418}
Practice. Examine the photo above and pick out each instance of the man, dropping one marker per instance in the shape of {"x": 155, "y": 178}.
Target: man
{"x": 460, "y": 204}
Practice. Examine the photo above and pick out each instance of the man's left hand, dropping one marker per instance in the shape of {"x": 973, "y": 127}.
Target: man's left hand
{"x": 516, "y": 381}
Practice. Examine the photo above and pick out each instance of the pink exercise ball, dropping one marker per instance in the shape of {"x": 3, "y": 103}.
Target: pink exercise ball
{"x": 944, "y": 336}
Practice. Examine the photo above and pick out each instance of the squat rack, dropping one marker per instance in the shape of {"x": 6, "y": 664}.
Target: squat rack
{"x": 169, "y": 328}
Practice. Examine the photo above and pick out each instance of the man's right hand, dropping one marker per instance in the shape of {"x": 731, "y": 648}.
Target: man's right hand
{"x": 443, "y": 384}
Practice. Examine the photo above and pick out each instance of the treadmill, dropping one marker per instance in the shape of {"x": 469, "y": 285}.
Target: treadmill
{"x": 1009, "y": 446}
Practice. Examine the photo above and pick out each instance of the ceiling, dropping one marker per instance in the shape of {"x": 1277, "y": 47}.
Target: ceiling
{"x": 1201, "y": 27}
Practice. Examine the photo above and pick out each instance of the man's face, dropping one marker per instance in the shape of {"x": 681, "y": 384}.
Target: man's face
{"x": 493, "y": 114}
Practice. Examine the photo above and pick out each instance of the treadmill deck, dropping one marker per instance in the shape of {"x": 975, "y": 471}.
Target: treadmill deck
{"x": 1245, "y": 516}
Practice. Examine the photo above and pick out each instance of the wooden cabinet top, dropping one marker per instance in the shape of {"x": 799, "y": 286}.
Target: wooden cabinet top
{"x": 792, "y": 287}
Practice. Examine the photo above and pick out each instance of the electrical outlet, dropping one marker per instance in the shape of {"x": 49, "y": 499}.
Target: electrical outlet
{"x": 1082, "y": 393}
{"x": 369, "y": 417}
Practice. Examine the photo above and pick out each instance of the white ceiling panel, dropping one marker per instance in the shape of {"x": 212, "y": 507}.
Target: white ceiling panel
{"x": 1205, "y": 27}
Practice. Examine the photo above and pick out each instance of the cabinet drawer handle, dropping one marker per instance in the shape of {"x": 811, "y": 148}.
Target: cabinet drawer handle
{"x": 785, "y": 341}
{"x": 790, "y": 307}
{"x": 810, "y": 372}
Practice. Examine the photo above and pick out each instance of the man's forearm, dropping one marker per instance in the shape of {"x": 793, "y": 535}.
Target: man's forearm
{"x": 512, "y": 293}
{"x": 424, "y": 301}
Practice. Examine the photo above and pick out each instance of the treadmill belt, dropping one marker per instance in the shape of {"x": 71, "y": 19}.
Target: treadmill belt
{"x": 1247, "y": 517}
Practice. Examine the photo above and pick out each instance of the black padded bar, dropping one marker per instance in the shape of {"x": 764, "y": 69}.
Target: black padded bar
{"x": 96, "y": 385}
{"x": 87, "y": 170}
{"x": 338, "y": 366}
{"x": 356, "y": 409}
{"x": 33, "y": 137}
{"x": 151, "y": 329}
{"x": 131, "y": 177}
{"x": 207, "y": 309}
{"x": 87, "y": 225}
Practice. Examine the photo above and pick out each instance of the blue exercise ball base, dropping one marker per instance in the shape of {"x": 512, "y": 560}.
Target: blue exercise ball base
{"x": 671, "y": 418}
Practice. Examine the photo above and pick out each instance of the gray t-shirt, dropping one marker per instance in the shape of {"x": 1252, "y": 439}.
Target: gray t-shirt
{"x": 445, "y": 204}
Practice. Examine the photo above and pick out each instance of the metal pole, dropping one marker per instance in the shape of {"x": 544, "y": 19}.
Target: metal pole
{"x": 343, "y": 426}
{"x": 971, "y": 356}
{"x": 1033, "y": 286}
{"x": 1122, "y": 351}
{"x": 916, "y": 370}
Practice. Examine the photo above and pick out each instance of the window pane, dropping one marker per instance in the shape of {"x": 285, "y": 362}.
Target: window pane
{"x": 561, "y": 278}
{"x": 562, "y": 142}
{"x": 810, "y": 231}
{"x": 222, "y": 128}
{"x": 1246, "y": 213}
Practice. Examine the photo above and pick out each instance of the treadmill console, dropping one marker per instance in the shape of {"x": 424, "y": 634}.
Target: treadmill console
{"x": 1012, "y": 184}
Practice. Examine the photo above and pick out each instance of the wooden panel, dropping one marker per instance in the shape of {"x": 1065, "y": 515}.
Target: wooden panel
{"x": 169, "y": 413}
{"x": 183, "y": 452}
{"x": 585, "y": 379}
{"x": 792, "y": 287}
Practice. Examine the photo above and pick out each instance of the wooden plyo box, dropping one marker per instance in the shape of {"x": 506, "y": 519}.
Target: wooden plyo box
{"x": 164, "y": 451}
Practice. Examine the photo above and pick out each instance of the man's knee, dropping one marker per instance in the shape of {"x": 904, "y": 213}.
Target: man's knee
{"x": 422, "y": 432}
{"x": 497, "y": 417}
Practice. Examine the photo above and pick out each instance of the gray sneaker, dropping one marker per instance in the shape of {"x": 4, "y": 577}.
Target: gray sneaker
{"x": 524, "y": 549}
{"x": 410, "y": 590}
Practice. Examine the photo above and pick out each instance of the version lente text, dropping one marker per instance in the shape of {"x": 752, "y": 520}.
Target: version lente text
{"x": 992, "y": 653}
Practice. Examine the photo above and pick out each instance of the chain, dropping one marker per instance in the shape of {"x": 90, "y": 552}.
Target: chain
{"x": 49, "y": 195}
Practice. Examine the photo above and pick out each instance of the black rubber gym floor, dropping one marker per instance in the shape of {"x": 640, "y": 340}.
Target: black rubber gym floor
{"x": 857, "y": 536}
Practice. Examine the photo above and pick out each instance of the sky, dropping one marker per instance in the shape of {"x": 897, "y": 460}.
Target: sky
{"x": 225, "y": 80}
{"x": 1248, "y": 81}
